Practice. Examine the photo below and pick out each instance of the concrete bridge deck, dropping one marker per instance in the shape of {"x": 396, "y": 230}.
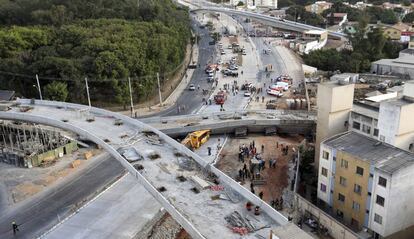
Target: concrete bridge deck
{"x": 282, "y": 121}
{"x": 159, "y": 161}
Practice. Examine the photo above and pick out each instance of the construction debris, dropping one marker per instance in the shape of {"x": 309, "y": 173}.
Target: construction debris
{"x": 200, "y": 183}
{"x": 239, "y": 224}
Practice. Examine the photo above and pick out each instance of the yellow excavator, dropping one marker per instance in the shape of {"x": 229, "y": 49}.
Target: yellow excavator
{"x": 196, "y": 139}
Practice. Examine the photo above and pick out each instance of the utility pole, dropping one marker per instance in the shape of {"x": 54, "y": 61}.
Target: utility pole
{"x": 130, "y": 95}
{"x": 159, "y": 88}
{"x": 87, "y": 91}
{"x": 38, "y": 87}
{"x": 297, "y": 172}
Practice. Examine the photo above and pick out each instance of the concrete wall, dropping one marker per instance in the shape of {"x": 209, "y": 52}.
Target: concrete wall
{"x": 349, "y": 174}
{"x": 326, "y": 180}
{"x": 399, "y": 208}
{"x": 335, "y": 228}
{"x": 334, "y": 106}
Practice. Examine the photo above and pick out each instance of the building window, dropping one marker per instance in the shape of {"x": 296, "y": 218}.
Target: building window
{"x": 382, "y": 181}
{"x": 344, "y": 163}
{"x": 342, "y": 181}
{"x": 376, "y": 132}
{"x": 377, "y": 218}
{"x": 324, "y": 172}
{"x": 356, "y": 206}
{"x": 341, "y": 198}
{"x": 410, "y": 147}
{"x": 356, "y": 125}
{"x": 366, "y": 129}
{"x": 323, "y": 187}
{"x": 325, "y": 155}
{"x": 340, "y": 214}
{"x": 357, "y": 189}
{"x": 359, "y": 171}
{"x": 380, "y": 200}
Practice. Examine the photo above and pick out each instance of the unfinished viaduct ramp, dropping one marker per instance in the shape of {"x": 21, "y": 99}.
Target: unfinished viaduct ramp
{"x": 176, "y": 177}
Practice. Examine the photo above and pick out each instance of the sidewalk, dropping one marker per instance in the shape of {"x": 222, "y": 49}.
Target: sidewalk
{"x": 172, "y": 98}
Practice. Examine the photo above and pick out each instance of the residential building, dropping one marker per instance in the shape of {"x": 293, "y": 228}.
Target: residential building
{"x": 367, "y": 183}
{"x": 386, "y": 117}
{"x": 337, "y": 18}
{"x": 334, "y": 101}
{"x": 395, "y": 31}
{"x": 318, "y": 7}
{"x": 403, "y": 66}
{"x": 358, "y": 5}
{"x": 261, "y": 3}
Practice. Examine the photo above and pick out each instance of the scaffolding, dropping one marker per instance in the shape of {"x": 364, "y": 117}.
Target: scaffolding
{"x": 27, "y": 145}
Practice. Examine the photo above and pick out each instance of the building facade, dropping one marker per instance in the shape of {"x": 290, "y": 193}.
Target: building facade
{"x": 360, "y": 176}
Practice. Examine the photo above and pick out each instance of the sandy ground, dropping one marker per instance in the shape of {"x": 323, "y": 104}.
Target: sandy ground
{"x": 18, "y": 184}
{"x": 276, "y": 178}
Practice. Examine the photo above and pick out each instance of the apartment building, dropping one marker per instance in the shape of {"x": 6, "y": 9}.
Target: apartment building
{"x": 386, "y": 117}
{"x": 318, "y": 7}
{"x": 262, "y": 3}
{"x": 367, "y": 183}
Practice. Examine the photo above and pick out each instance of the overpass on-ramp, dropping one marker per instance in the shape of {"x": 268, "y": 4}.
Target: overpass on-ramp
{"x": 176, "y": 177}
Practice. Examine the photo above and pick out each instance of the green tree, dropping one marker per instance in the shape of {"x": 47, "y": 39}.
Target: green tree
{"x": 240, "y": 4}
{"x": 56, "y": 91}
{"x": 409, "y": 18}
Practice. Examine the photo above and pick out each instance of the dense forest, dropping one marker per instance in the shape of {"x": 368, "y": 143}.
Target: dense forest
{"x": 64, "y": 41}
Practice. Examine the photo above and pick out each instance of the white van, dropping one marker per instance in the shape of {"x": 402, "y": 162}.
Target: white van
{"x": 284, "y": 85}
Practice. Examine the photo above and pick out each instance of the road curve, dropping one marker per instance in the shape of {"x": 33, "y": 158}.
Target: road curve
{"x": 163, "y": 160}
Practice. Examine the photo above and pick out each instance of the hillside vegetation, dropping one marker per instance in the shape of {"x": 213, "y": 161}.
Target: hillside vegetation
{"x": 64, "y": 41}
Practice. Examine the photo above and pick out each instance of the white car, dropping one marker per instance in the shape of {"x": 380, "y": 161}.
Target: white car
{"x": 247, "y": 94}
{"x": 191, "y": 87}
{"x": 210, "y": 74}
{"x": 223, "y": 53}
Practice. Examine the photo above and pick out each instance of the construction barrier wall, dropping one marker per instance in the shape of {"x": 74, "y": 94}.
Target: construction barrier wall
{"x": 53, "y": 154}
{"x": 335, "y": 228}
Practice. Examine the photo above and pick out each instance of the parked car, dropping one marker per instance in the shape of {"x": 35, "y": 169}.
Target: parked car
{"x": 191, "y": 87}
{"x": 247, "y": 94}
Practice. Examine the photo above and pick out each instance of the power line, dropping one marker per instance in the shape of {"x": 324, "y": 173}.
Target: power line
{"x": 31, "y": 77}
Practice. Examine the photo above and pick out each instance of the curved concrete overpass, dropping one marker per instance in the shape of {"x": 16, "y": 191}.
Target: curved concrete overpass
{"x": 271, "y": 21}
{"x": 254, "y": 121}
{"x": 268, "y": 20}
{"x": 162, "y": 162}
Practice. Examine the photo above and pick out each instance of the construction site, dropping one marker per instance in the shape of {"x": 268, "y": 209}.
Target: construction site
{"x": 30, "y": 145}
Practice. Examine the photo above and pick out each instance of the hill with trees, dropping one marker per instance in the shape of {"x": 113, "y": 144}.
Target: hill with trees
{"x": 64, "y": 41}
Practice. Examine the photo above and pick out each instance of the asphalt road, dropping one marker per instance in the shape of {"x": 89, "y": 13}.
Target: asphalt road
{"x": 189, "y": 101}
{"x": 37, "y": 217}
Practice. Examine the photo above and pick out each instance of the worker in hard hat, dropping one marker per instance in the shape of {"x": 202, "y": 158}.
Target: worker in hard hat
{"x": 15, "y": 227}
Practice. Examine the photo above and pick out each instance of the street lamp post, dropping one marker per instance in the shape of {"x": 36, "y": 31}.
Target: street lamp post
{"x": 38, "y": 87}
{"x": 87, "y": 92}
{"x": 130, "y": 95}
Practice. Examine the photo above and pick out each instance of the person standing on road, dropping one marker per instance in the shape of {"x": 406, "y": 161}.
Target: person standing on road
{"x": 15, "y": 228}
{"x": 209, "y": 151}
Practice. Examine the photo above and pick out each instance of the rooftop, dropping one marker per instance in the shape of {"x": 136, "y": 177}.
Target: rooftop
{"x": 405, "y": 62}
{"x": 366, "y": 110}
{"x": 384, "y": 157}
{"x": 6, "y": 95}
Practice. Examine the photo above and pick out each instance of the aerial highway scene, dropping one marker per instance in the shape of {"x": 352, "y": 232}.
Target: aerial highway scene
{"x": 206, "y": 119}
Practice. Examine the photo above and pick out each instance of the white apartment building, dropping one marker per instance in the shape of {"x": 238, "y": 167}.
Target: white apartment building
{"x": 262, "y": 3}
{"x": 388, "y": 117}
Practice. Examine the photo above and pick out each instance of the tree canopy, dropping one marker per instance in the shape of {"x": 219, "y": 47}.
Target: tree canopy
{"x": 103, "y": 40}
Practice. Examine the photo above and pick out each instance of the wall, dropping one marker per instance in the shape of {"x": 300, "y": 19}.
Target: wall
{"x": 328, "y": 164}
{"x": 348, "y": 190}
{"x": 334, "y": 106}
{"x": 400, "y": 213}
{"x": 336, "y": 229}
{"x": 388, "y": 122}
{"x": 52, "y": 154}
